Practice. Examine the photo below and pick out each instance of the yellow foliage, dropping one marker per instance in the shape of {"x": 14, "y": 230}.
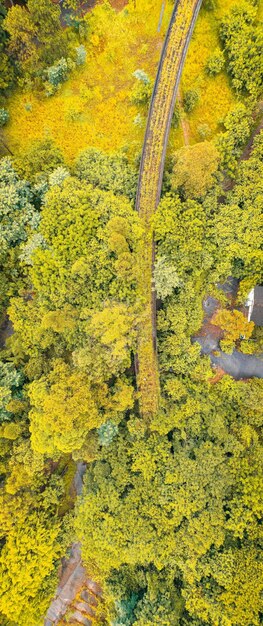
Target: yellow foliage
{"x": 93, "y": 107}
{"x": 195, "y": 167}
{"x": 10, "y": 431}
{"x": 234, "y": 323}
{"x": 216, "y": 97}
{"x": 63, "y": 410}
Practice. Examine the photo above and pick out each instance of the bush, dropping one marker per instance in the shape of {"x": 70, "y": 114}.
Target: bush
{"x": 209, "y": 5}
{"x": 204, "y": 131}
{"x": 142, "y": 76}
{"x": 58, "y": 72}
{"x": 142, "y": 91}
{"x": 215, "y": 63}
{"x": 138, "y": 120}
{"x": 4, "y": 117}
{"x": 176, "y": 117}
{"x": 81, "y": 55}
{"x": 190, "y": 100}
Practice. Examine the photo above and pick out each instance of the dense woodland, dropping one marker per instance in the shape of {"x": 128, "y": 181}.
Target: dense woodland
{"x": 170, "y": 518}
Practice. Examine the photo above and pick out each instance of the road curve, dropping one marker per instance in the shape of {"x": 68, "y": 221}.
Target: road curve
{"x": 149, "y": 190}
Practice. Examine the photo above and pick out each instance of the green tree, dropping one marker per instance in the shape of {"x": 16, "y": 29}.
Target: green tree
{"x": 36, "y": 36}
{"x": 108, "y": 172}
{"x": 63, "y": 410}
{"x": 18, "y": 219}
{"x": 39, "y": 160}
{"x": 242, "y": 36}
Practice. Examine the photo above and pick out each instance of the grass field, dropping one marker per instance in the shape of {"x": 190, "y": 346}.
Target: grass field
{"x": 93, "y": 108}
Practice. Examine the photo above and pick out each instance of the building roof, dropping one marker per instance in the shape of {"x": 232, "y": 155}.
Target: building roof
{"x": 257, "y": 311}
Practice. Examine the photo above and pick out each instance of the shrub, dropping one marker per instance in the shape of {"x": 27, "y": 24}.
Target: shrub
{"x": 58, "y": 72}
{"x": 204, "y": 131}
{"x": 142, "y": 76}
{"x": 238, "y": 124}
{"x": 209, "y": 5}
{"x": 142, "y": 90}
{"x": 190, "y": 100}
{"x": 215, "y": 63}
{"x": 138, "y": 120}
{"x": 176, "y": 117}
{"x": 141, "y": 93}
{"x": 4, "y": 117}
{"x": 81, "y": 55}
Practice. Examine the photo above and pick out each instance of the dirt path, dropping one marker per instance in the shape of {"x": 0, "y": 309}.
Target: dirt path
{"x": 149, "y": 190}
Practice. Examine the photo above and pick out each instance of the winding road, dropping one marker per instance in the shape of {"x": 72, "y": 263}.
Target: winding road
{"x": 158, "y": 126}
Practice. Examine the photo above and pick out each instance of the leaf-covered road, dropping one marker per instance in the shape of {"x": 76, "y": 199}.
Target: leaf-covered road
{"x": 149, "y": 189}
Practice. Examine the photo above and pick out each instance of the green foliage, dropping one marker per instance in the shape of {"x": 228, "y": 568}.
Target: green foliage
{"x": 108, "y": 172}
{"x": 18, "y": 219}
{"x": 237, "y": 226}
{"x": 26, "y": 251}
{"x": 88, "y": 246}
{"x": 170, "y": 516}
{"x": 243, "y": 39}
{"x": 6, "y": 69}
{"x": 165, "y": 278}
{"x": 204, "y": 131}
{"x": 17, "y": 211}
{"x": 63, "y": 411}
{"x": 42, "y": 158}
{"x": 107, "y": 432}
{"x": 142, "y": 90}
{"x": 81, "y": 54}
{"x": 142, "y": 76}
{"x": 238, "y": 127}
{"x": 11, "y": 382}
{"x": 190, "y": 100}
{"x": 58, "y": 72}
{"x": 4, "y": 117}
{"x": 58, "y": 176}
{"x": 36, "y": 38}
{"x": 176, "y": 117}
{"x": 209, "y": 5}
{"x": 215, "y": 63}
{"x": 31, "y": 533}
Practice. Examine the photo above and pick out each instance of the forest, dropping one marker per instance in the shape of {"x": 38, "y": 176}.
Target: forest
{"x": 131, "y": 312}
